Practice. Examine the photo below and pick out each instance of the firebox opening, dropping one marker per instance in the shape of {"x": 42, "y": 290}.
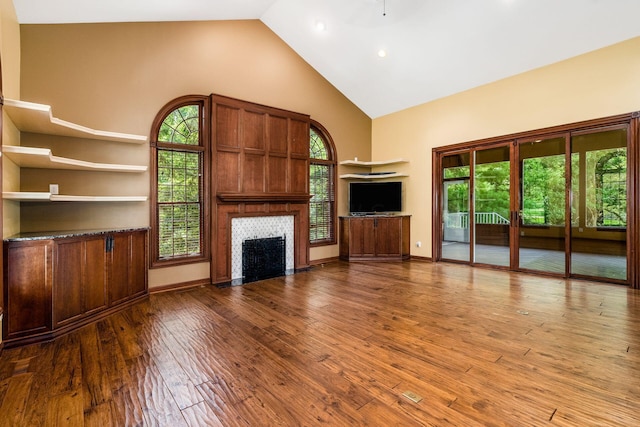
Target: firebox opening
{"x": 263, "y": 258}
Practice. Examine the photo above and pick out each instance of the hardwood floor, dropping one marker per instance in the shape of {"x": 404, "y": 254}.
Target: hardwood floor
{"x": 339, "y": 345}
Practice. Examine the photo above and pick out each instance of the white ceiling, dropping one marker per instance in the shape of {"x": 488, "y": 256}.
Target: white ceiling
{"x": 434, "y": 48}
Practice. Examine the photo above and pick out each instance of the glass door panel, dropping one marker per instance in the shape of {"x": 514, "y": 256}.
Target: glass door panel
{"x": 455, "y": 207}
{"x": 542, "y": 225}
{"x": 599, "y": 204}
{"x": 492, "y": 206}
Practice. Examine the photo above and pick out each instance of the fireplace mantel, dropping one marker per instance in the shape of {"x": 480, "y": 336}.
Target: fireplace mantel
{"x": 263, "y": 197}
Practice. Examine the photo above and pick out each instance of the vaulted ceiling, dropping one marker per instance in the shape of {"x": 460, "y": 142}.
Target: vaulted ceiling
{"x": 434, "y": 48}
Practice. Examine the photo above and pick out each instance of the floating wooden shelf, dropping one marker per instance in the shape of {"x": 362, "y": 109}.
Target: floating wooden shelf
{"x": 42, "y": 158}
{"x": 373, "y": 175}
{"x": 37, "y": 118}
{"x": 372, "y": 164}
{"x": 36, "y": 196}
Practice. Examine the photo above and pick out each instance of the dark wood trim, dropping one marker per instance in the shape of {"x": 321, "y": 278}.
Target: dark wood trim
{"x": 633, "y": 195}
{"x": 263, "y": 198}
{"x": 514, "y": 218}
{"x": 333, "y": 163}
{"x": 539, "y": 133}
{"x": 317, "y": 262}
{"x": 567, "y": 205}
{"x": 180, "y": 286}
{"x": 436, "y": 205}
{"x": 421, "y": 258}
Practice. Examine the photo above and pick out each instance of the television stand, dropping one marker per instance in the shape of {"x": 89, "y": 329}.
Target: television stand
{"x": 375, "y": 238}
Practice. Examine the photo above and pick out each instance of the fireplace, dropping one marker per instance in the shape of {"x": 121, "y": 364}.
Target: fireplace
{"x": 263, "y": 258}
{"x": 268, "y": 228}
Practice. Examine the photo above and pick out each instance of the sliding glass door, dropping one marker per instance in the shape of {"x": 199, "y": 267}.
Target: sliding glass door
{"x": 555, "y": 203}
{"x": 492, "y": 206}
{"x": 542, "y": 181}
{"x": 477, "y": 232}
{"x": 455, "y": 207}
{"x": 599, "y": 186}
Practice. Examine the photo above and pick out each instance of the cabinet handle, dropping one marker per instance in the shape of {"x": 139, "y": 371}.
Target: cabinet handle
{"x": 109, "y": 244}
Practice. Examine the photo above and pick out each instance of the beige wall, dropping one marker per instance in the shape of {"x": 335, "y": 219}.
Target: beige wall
{"x": 10, "y": 45}
{"x": 117, "y": 76}
{"x": 10, "y": 51}
{"x": 10, "y": 54}
{"x": 598, "y": 84}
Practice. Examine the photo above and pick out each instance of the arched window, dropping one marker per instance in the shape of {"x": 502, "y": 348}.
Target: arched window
{"x": 180, "y": 166}
{"x": 322, "y": 184}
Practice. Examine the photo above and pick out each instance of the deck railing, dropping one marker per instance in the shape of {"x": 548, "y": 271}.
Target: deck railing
{"x": 461, "y": 219}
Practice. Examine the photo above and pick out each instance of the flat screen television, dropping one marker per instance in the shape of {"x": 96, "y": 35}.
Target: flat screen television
{"x": 375, "y": 197}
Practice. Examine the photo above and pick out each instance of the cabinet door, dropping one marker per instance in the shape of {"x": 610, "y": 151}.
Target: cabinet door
{"x": 119, "y": 259}
{"x": 361, "y": 237}
{"x": 67, "y": 291}
{"x": 138, "y": 269}
{"x": 95, "y": 275}
{"x": 28, "y": 279}
{"x": 79, "y": 285}
{"x": 388, "y": 237}
{"x": 369, "y": 236}
{"x": 127, "y": 266}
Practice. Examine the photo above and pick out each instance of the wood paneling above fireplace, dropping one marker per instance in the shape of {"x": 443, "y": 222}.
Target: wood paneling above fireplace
{"x": 259, "y": 149}
{"x": 260, "y": 167}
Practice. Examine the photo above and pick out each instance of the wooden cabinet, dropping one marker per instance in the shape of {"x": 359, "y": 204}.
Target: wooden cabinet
{"x": 57, "y": 284}
{"x": 374, "y": 238}
{"x": 27, "y": 293}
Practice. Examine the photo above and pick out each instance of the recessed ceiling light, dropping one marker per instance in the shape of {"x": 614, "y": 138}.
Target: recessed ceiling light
{"x": 321, "y": 26}
{"x": 382, "y": 53}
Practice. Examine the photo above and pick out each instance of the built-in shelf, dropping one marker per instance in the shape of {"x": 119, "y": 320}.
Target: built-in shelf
{"x": 37, "y": 118}
{"x": 42, "y": 158}
{"x": 372, "y": 164}
{"x": 36, "y": 196}
{"x": 372, "y": 175}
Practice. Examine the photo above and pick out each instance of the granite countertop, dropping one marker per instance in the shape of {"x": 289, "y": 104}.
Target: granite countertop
{"x": 44, "y": 235}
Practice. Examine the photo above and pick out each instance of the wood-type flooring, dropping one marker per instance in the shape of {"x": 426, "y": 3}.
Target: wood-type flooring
{"x": 340, "y": 345}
